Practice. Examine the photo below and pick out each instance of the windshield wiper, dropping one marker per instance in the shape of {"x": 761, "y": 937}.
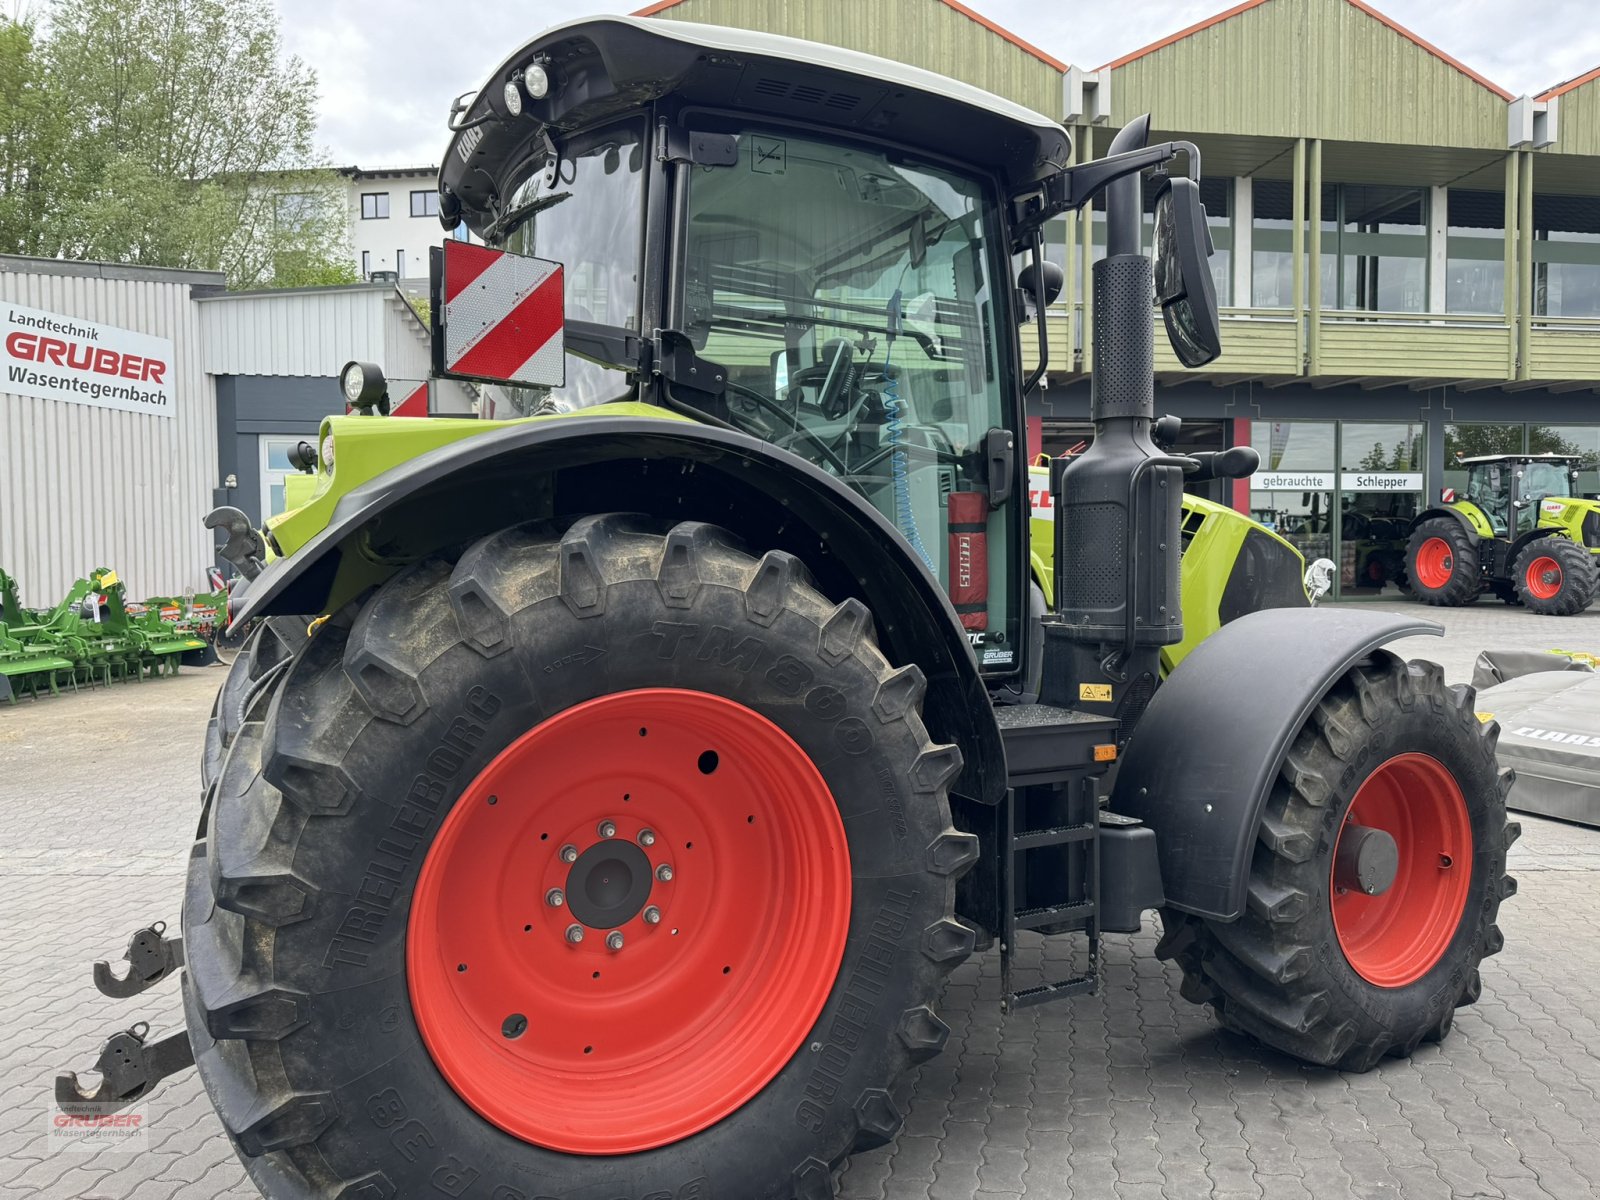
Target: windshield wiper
{"x": 521, "y": 213}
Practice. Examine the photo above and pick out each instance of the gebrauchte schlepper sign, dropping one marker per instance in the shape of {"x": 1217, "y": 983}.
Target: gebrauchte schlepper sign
{"x": 66, "y": 358}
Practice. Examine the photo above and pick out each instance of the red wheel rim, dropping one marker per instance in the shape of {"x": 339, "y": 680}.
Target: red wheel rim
{"x": 622, "y": 1051}
{"x": 1543, "y": 578}
{"x": 1435, "y": 563}
{"x": 1395, "y": 937}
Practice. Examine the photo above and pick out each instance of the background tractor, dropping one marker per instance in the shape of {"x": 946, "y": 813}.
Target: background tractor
{"x": 1518, "y": 532}
{"x": 606, "y": 792}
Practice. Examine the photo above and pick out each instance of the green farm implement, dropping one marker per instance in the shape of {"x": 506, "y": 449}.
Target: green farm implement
{"x": 94, "y": 636}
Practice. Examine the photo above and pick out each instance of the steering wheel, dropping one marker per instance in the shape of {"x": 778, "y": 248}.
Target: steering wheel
{"x": 767, "y": 404}
{"x": 833, "y": 375}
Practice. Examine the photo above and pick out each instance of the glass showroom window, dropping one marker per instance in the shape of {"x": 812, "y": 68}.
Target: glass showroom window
{"x": 1379, "y": 248}
{"x": 1470, "y": 441}
{"x": 1581, "y": 440}
{"x": 1380, "y": 489}
{"x": 1475, "y": 270}
{"x": 1566, "y": 256}
{"x": 1272, "y": 244}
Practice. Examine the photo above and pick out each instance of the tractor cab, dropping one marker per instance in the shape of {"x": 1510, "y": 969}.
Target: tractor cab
{"x": 1507, "y": 488}
{"x": 809, "y": 246}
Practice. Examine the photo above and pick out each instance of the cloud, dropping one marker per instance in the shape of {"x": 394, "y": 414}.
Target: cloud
{"x": 386, "y": 80}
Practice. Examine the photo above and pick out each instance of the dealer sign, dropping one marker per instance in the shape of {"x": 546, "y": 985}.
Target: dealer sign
{"x": 66, "y": 358}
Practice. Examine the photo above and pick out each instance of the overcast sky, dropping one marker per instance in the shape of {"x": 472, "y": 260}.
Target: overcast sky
{"x": 386, "y": 82}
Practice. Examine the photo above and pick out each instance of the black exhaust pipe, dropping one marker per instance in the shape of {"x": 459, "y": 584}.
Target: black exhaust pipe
{"x": 1119, "y": 503}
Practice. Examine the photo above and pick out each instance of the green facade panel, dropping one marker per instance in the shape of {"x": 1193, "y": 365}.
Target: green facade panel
{"x": 1578, "y": 120}
{"x": 924, "y": 33}
{"x": 1309, "y": 68}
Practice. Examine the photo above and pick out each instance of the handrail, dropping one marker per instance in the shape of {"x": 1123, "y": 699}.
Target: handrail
{"x": 1577, "y": 324}
{"x": 1348, "y": 316}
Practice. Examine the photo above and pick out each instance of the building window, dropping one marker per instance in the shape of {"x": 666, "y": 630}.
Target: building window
{"x": 424, "y": 204}
{"x": 1272, "y": 243}
{"x": 400, "y": 264}
{"x": 375, "y": 206}
{"x": 1475, "y": 268}
{"x": 1580, "y": 440}
{"x": 275, "y": 468}
{"x": 1375, "y": 240}
{"x": 366, "y": 264}
{"x": 295, "y": 210}
{"x": 1566, "y": 256}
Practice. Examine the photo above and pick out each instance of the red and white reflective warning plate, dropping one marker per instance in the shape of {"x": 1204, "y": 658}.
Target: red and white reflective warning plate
{"x": 503, "y": 316}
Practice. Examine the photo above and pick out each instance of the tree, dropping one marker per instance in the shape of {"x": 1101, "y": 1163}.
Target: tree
{"x": 187, "y": 140}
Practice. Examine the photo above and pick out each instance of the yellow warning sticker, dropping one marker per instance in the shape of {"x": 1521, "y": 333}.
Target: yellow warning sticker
{"x": 1485, "y": 717}
{"x": 1100, "y": 692}
{"x": 109, "y": 579}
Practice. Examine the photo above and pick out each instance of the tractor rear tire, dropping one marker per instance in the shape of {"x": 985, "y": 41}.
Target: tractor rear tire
{"x": 1555, "y": 577}
{"x": 1442, "y": 563}
{"x": 1315, "y": 967}
{"x": 438, "y": 753}
{"x": 262, "y": 658}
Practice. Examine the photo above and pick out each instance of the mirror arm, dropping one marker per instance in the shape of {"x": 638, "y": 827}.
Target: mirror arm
{"x": 1074, "y": 187}
{"x": 1038, "y": 371}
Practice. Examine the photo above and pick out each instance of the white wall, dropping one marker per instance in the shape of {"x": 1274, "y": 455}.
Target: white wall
{"x": 400, "y": 235}
{"x": 84, "y": 487}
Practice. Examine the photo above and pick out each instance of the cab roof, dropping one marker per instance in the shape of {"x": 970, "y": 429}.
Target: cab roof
{"x": 601, "y": 67}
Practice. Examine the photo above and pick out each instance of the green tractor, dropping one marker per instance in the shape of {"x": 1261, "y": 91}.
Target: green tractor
{"x": 1518, "y": 533}
{"x": 606, "y": 792}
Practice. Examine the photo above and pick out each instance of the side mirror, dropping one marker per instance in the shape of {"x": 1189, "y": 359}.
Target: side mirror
{"x": 1051, "y": 276}
{"x": 1183, "y": 280}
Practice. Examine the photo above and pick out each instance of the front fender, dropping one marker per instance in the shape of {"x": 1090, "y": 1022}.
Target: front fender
{"x": 675, "y": 470}
{"x": 1208, "y": 749}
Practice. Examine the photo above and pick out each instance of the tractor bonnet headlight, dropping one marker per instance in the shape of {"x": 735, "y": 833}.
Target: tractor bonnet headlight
{"x": 364, "y": 386}
{"x": 326, "y": 454}
{"x": 513, "y": 98}
{"x": 536, "y": 80}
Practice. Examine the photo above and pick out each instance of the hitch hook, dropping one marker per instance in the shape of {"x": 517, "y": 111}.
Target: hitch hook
{"x": 129, "y": 1067}
{"x": 151, "y": 957}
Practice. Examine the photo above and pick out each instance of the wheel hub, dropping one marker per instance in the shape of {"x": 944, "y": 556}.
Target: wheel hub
{"x": 609, "y": 884}
{"x": 1366, "y": 861}
{"x": 1407, "y": 829}
{"x": 629, "y": 922}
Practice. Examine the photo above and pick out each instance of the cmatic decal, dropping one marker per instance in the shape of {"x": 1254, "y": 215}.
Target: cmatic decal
{"x": 65, "y": 358}
{"x": 503, "y": 316}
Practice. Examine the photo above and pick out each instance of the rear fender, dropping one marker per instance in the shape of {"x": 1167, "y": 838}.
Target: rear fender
{"x": 1472, "y": 520}
{"x": 1208, "y": 749}
{"x": 675, "y": 470}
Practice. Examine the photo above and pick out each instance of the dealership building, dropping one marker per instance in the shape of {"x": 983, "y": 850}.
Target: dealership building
{"x": 1407, "y": 255}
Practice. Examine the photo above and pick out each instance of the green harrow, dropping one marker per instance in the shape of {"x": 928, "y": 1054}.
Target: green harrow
{"x": 94, "y": 637}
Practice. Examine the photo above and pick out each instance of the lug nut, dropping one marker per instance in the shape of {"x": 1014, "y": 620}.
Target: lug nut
{"x": 554, "y": 898}
{"x": 574, "y": 934}
{"x": 607, "y": 829}
{"x": 647, "y": 837}
{"x": 652, "y": 915}
{"x": 664, "y": 873}
{"x": 614, "y": 940}
{"x": 569, "y": 854}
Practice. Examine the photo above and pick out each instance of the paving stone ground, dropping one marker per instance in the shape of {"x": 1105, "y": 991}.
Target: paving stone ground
{"x": 1132, "y": 1094}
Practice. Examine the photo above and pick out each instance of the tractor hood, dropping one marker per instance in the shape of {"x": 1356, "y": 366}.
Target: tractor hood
{"x": 604, "y": 66}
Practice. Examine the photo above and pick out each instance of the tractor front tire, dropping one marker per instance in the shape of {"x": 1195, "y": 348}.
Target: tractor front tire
{"x": 1318, "y": 968}
{"x": 606, "y": 859}
{"x": 1442, "y": 563}
{"x": 1555, "y": 577}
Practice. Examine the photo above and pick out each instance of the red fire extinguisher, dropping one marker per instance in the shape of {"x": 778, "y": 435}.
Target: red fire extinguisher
{"x": 969, "y": 558}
